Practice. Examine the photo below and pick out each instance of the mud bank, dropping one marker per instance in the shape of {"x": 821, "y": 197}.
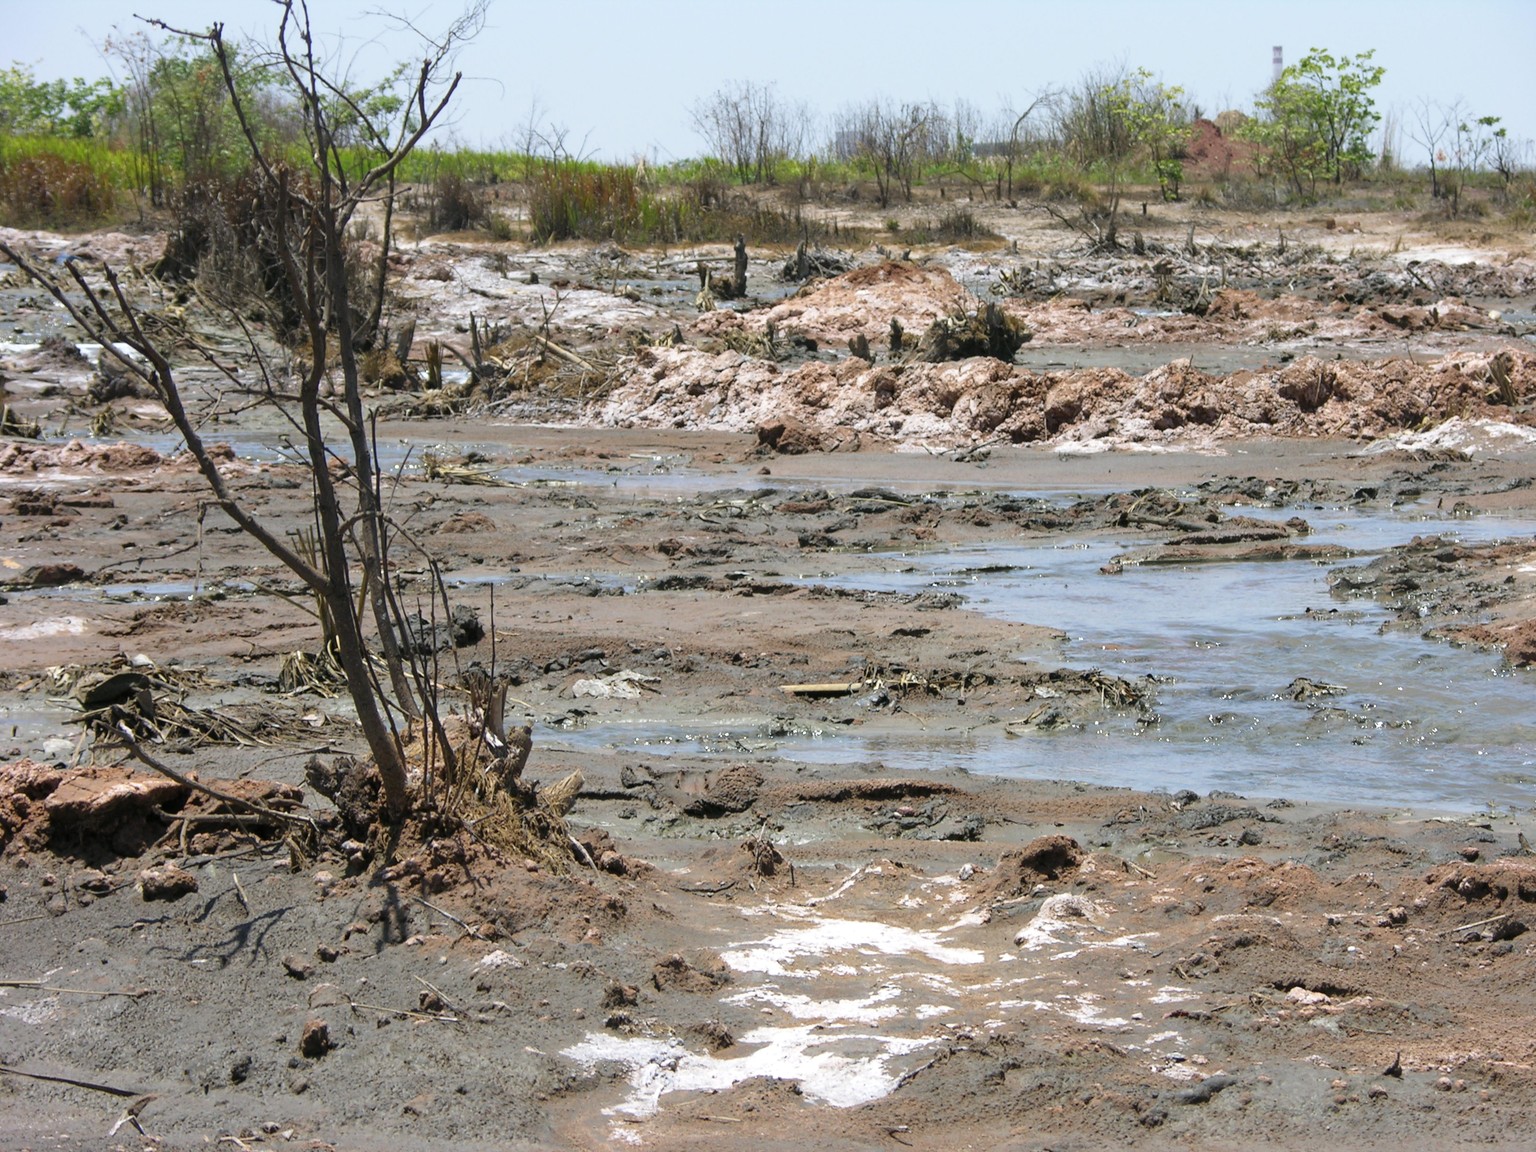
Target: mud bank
{"x": 976, "y": 401}
{"x": 700, "y": 605}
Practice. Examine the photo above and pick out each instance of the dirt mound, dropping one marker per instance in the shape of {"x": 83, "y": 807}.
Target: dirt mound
{"x": 1484, "y": 887}
{"x": 1045, "y": 858}
{"x": 1248, "y": 883}
{"x": 983, "y": 398}
{"x": 89, "y": 812}
{"x": 703, "y": 972}
{"x": 790, "y": 436}
{"x": 1211, "y": 153}
{"x": 23, "y": 785}
{"x": 860, "y": 303}
{"x": 1241, "y": 304}
{"x": 467, "y": 524}
{"x": 732, "y": 789}
{"x": 17, "y": 457}
{"x": 1516, "y": 639}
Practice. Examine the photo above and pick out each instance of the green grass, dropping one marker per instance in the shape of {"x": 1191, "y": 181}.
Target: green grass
{"x": 567, "y": 202}
{"x": 66, "y": 182}
{"x": 57, "y": 182}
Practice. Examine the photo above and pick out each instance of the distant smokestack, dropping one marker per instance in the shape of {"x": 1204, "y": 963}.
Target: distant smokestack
{"x": 1279, "y": 61}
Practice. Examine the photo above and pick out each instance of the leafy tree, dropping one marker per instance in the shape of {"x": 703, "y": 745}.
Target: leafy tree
{"x": 1013, "y": 149}
{"x": 180, "y": 114}
{"x": 75, "y": 108}
{"x": 892, "y": 142}
{"x": 1316, "y": 119}
{"x": 1112, "y": 121}
{"x": 1458, "y": 145}
{"x": 1474, "y": 142}
{"x": 1155, "y": 120}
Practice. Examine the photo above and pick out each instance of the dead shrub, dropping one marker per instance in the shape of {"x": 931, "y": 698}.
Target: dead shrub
{"x": 50, "y": 190}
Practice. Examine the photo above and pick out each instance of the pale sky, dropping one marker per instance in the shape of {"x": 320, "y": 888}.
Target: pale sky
{"x": 622, "y": 76}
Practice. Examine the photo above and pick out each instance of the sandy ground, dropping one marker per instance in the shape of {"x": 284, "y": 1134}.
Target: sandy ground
{"x": 767, "y": 953}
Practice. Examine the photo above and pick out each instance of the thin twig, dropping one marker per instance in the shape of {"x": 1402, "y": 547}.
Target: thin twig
{"x": 284, "y": 818}
{"x": 468, "y": 931}
{"x": 240, "y": 894}
{"x": 72, "y": 1081}
{"x": 439, "y": 1017}
{"x": 39, "y": 986}
{"x": 1474, "y": 924}
{"x": 581, "y": 852}
{"x": 441, "y": 995}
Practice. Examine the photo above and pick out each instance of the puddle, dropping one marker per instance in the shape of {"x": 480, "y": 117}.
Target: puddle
{"x": 91, "y": 351}
{"x": 147, "y": 590}
{"x": 1419, "y": 722}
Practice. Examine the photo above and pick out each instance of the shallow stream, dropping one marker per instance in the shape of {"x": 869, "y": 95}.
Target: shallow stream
{"x": 1404, "y": 721}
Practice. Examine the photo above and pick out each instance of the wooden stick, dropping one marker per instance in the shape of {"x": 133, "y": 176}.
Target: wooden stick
{"x": 468, "y": 931}
{"x": 39, "y": 986}
{"x": 240, "y": 893}
{"x": 441, "y": 995}
{"x": 1475, "y": 924}
{"x": 72, "y": 1081}
{"x": 846, "y": 688}
{"x": 564, "y": 353}
{"x": 403, "y": 1012}
{"x": 276, "y": 817}
{"x": 581, "y": 852}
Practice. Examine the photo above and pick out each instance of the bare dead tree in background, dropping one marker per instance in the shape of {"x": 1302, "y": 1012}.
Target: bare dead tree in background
{"x": 751, "y": 128}
{"x": 1017, "y": 139}
{"x": 306, "y": 212}
{"x": 892, "y": 141}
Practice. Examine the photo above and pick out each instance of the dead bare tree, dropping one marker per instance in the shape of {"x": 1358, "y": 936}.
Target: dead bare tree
{"x": 892, "y": 141}
{"x": 1045, "y": 101}
{"x": 307, "y": 213}
{"x": 751, "y": 128}
{"x": 1432, "y": 122}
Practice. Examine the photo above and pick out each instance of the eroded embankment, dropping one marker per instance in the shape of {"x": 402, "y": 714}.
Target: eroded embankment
{"x": 902, "y": 392}
{"x": 821, "y": 406}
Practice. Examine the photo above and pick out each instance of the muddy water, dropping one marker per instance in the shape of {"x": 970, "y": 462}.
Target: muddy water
{"x": 1411, "y": 721}
{"x": 1402, "y": 720}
